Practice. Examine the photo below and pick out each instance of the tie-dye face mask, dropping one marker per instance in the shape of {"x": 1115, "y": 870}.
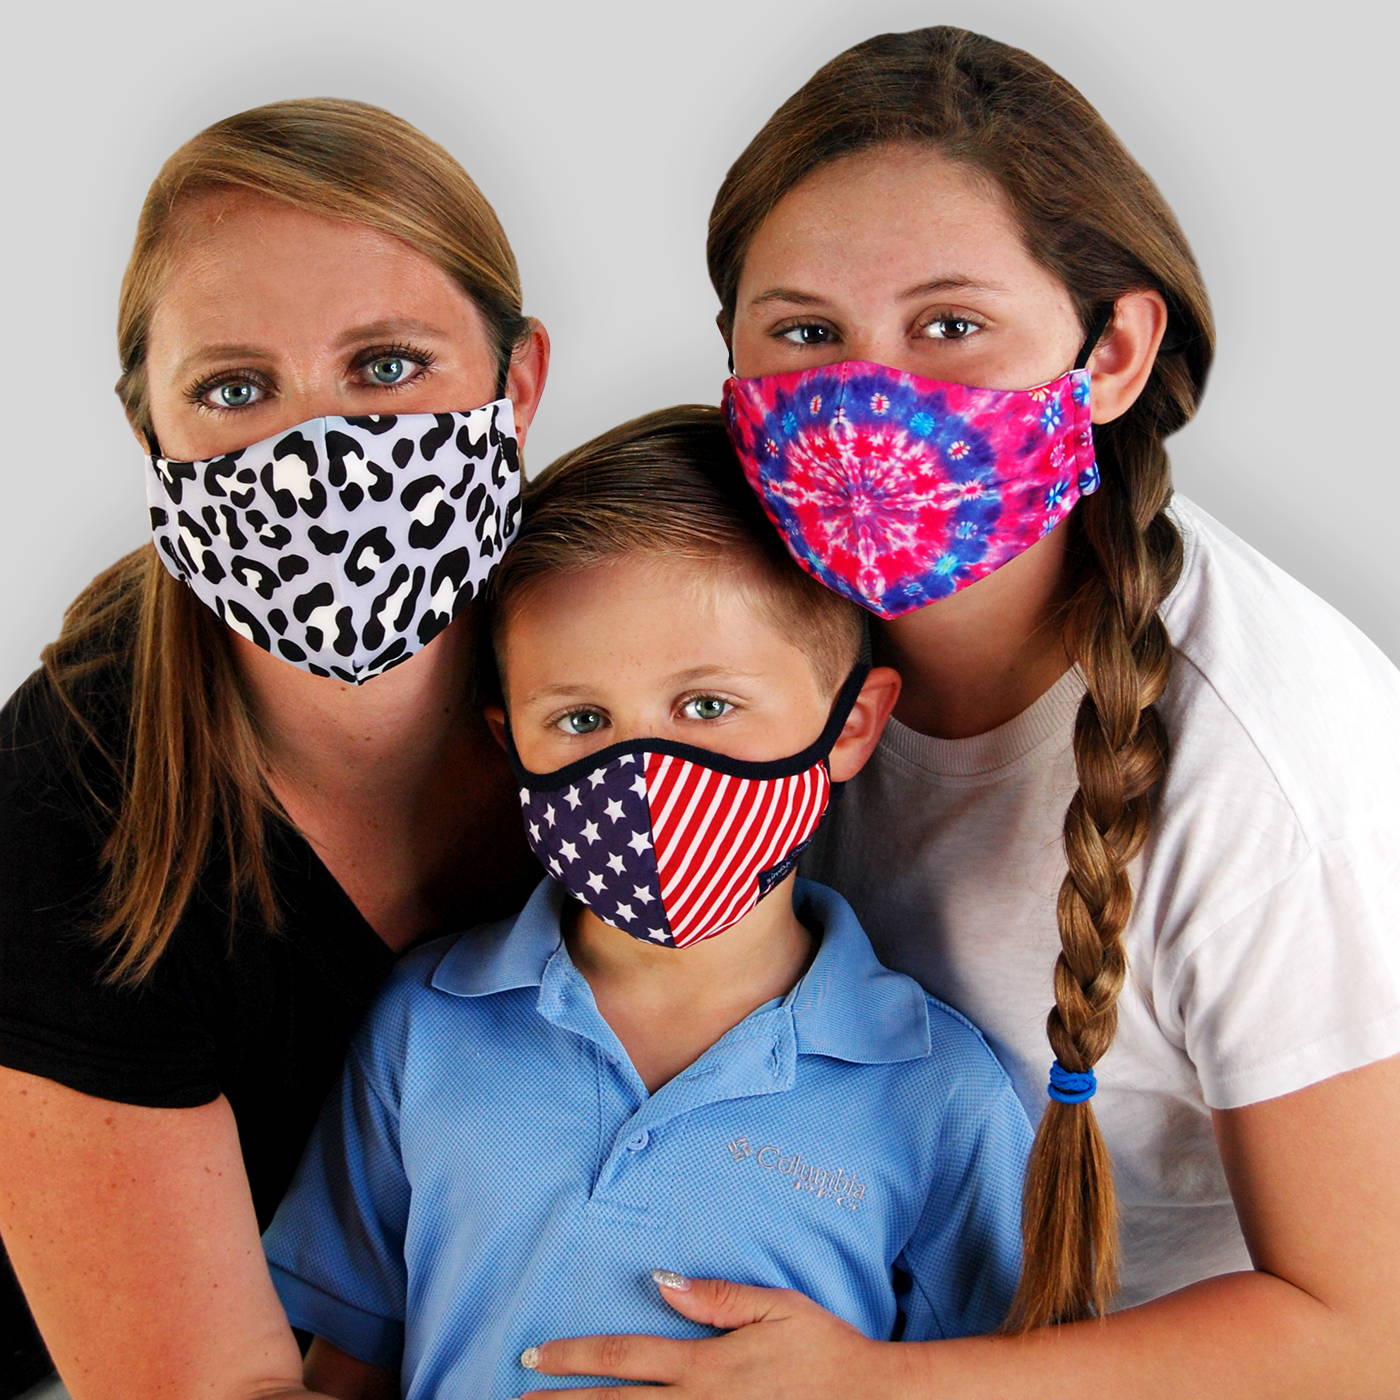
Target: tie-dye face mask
{"x": 895, "y": 490}
{"x": 344, "y": 545}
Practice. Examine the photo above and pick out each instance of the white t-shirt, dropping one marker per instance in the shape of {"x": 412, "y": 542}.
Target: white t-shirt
{"x": 1264, "y": 945}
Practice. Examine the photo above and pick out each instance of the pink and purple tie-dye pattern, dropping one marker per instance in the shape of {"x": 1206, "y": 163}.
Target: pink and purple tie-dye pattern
{"x": 895, "y": 490}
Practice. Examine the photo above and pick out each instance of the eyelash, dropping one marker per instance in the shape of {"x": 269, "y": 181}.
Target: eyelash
{"x": 556, "y": 722}
{"x": 194, "y": 394}
{"x": 782, "y": 332}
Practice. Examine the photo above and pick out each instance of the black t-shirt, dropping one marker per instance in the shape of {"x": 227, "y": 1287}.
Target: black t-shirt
{"x": 262, "y": 1018}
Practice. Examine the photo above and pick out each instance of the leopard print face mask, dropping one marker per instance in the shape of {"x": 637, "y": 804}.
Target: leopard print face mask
{"x": 344, "y": 545}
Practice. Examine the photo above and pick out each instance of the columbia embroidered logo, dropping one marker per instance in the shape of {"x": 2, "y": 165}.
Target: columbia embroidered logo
{"x": 839, "y": 1185}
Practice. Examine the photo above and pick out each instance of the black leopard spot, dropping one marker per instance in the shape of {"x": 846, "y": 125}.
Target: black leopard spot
{"x": 290, "y": 650}
{"x": 382, "y": 487}
{"x": 277, "y": 619}
{"x": 402, "y": 452}
{"x": 219, "y": 473}
{"x": 252, "y": 574}
{"x": 373, "y": 634}
{"x": 241, "y": 620}
{"x": 318, "y": 596}
{"x": 434, "y": 438}
{"x": 453, "y": 567}
{"x": 368, "y": 555}
{"x": 507, "y": 465}
{"x": 339, "y": 446}
{"x": 395, "y": 652}
{"x": 232, "y": 522}
{"x": 345, "y": 633}
{"x": 158, "y": 517}
{"x": 173, "y": 476}
{"x": 474, "y": 449}
{"x": 204, "y": 564}
{"x": 275, "y": 536}
{"x": 410, "y": 600}
{"x": 243, "y": 499}
{"x": 474, "y": 502}
{"x": 374, "y": 422}
{"x": 327, "y": 541}
{"x": 289, "y": 566}
{"x": 421, "y": 535}
{"x": 486, "y": 536}
{"x": 311, "y": 501}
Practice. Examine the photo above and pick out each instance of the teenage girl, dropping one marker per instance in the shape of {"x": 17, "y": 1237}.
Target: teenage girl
{"x": 1138, "y": 778}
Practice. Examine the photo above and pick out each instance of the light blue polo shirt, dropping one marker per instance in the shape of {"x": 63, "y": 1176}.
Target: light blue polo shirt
{"x": 492, "y": 1172}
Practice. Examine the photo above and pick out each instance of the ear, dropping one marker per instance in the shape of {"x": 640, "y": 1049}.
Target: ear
{"x": 529, "y": 368}
{"x": 865, "y": 724}
{"x": 725, "y": 331}
{"x": 495, "y": 717}
{"x": 1126, "y": 352}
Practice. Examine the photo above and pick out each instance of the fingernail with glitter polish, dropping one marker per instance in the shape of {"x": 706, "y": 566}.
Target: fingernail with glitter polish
{"x": 530, "y": 1358}
{"x": 664, "y": 1278}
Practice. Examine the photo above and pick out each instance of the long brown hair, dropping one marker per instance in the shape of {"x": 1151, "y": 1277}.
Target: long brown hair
{"x": 190, "y": 770}
{"x": 1088, "y": 213}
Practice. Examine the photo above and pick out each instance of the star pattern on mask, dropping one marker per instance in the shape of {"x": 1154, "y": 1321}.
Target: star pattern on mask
{"x": 594, "y": 835}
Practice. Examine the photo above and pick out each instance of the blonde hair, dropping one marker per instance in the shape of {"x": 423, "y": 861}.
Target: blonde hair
{"x": 1091, "y": 215}
{"x": 668, "y": 484}
{"x": 190, "y": 773}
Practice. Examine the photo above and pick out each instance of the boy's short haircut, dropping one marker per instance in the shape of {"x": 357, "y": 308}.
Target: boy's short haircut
{"x": 668, "y": 484}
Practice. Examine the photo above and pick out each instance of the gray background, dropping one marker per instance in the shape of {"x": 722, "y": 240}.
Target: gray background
{"x": 600, "y": 131}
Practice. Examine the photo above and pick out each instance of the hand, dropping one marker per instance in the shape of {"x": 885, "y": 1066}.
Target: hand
{"x": 782, "y": 1346}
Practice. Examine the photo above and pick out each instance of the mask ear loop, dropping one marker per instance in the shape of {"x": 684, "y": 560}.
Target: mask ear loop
{"x": 1096, "y": 329}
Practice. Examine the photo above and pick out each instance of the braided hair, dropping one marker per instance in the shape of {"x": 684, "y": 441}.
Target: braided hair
{"x": 1090, "y": 214}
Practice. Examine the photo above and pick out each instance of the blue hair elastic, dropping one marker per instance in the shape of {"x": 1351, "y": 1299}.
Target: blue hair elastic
{"x": 1068, "y": 1086}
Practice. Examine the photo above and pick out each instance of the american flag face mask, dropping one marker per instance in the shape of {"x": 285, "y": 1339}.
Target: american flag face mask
{"x": 672, "y": 843}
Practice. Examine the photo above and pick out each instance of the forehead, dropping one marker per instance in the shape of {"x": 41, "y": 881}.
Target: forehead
{"x": 244, "y": 267}
{"x": 897, "y": 214}
{"x": 662, "y": 611}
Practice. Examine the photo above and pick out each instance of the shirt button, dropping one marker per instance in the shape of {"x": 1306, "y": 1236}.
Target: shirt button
{"x": 637, "y": 1143}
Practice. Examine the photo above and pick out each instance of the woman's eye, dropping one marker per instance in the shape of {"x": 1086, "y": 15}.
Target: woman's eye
{"x": 706, "y": 707}
{"x": 951, "y": 328}
{"x": 389, "y": 369}
{"x": 808, "y": 333}
{"x": 580, "y": 722}
{"x": 234, "y": 393}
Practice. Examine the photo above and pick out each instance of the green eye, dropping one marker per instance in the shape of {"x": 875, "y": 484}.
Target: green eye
{"x": 389, "y": 369}
{"x": 237, "y": 393}
{"x": 581, "y": 721}
{"x": 706, "y": 707}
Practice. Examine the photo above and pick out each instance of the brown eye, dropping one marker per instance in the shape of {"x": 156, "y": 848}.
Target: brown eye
{"x": 807, "y": 333}
{"x": 951, "y": 328}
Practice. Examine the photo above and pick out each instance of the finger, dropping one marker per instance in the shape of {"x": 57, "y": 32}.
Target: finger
{"x": 606, "y": 1392}
{"x": 719, "y": 1302}
{"x": 628, "y": 1358}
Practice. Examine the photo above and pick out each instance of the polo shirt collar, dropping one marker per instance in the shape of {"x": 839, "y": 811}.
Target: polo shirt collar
{"x": 509, "y": 954}
{"x": 846, "y": 1006}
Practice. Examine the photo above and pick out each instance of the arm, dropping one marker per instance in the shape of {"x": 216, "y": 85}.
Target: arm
{"x": 337, "y": 1373}
{"x": 133, "y": 1234}
{"x": 1313, "y": 1174}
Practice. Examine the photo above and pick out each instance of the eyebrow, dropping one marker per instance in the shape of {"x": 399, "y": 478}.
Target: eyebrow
{"x": 689, "y": 676}
{"x": 953, "y": 283}
{"x": 387, "y": 329}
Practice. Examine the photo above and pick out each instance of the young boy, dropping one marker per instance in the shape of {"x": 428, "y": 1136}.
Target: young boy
{"x": 676, "y": 1055}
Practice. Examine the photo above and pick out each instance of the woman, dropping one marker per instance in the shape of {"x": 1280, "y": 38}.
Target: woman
{"x": 1138, "y": 777}
{"x": 227, "y": 805}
